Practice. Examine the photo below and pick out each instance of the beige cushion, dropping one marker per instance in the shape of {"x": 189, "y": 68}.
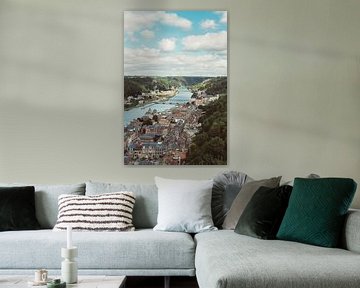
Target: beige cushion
{"x": 243, "y": 198}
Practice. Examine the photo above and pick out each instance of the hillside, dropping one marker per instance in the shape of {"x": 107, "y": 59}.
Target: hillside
{"x": 136, "y": 85}
{"x": 209, "y": 146}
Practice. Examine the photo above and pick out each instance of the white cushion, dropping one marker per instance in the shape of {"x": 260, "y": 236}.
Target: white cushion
{"x": 105, "y": 212}
{"x": 184, "y": 205}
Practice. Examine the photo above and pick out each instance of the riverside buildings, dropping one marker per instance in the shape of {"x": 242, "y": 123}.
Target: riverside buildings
{"x": 161, "y": 138}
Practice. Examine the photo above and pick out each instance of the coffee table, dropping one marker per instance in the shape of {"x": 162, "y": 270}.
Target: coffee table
{"x": 84, "y": 281}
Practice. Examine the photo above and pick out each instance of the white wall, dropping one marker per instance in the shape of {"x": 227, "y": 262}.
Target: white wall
{"x": 294, "y": 88}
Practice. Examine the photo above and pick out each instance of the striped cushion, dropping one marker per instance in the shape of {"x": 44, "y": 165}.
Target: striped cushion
{"x": 105, "y": 212}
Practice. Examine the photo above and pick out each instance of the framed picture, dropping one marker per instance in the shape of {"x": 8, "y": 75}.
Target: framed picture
{"x": 175, "y": 87}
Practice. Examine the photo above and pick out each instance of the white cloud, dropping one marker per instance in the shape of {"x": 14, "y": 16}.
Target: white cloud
{"x": 167, "y": 44}
{"x": 223, "y": 15}
{"x": 172, "y": 19}
{"x": 152, "y": 62}
{"x": 140, "y": 55}
{"x": 138, "y": 20}
{"x": 208, "y": 41}
{"x": 208, "y": 24}
{"x": 131, "y": 36}
{"x": 147, "y": 34}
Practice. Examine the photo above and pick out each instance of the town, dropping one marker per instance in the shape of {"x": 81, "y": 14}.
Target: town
{"x": 164, "y": 138}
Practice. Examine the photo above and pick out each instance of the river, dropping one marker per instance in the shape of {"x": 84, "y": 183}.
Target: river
{"x": 183, "y": 96}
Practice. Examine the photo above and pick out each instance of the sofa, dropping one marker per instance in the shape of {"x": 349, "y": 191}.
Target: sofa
{"x": 218, "y": 259}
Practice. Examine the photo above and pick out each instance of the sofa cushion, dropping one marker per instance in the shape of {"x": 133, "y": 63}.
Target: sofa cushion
{"x": 17, "y": 208}
{"x": 317, "y": 209}
{"x": 225, "y": 189}
{"x": 263, "y": 214}
{"x": 146, "y": 205}
{"x": 243, "y": 198}
{"x": 350, "y": 239}
{"x": 46, "y": 200}
{"x": 105, "y": 212}
{"x": 184, "y": 205}
{"x": 138, "y": 250}
{"x": 225, "y": 259}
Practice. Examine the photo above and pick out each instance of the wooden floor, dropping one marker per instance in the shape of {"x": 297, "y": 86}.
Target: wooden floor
{"x": 158, "y": 282}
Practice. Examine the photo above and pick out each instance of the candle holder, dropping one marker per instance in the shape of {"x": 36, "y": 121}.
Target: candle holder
{"x": 69, "y": 271}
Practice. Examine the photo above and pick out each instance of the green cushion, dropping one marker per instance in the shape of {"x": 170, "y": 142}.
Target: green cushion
{"x": 316, "y": 211}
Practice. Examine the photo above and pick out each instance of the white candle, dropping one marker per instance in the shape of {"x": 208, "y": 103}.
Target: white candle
{"x": 69, "y": 237}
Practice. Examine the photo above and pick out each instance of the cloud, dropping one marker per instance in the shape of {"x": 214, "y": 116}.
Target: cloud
{"x": 140, "y": 55}
{"x": 223, "y": 15}
{"x": 131, "y": 37}
{"x": 135, "y": 21}
{"x": 147, "y": 34}
{"x": 208, "y": 24}
{"x": 167, "y": 44}
{"x": 172, "y": 19}
{"x": 152, "y": 62}
{"x": 208, "y": 41}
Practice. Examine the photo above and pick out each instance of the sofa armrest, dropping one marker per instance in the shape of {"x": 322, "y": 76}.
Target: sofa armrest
{"x": 351, "y": 234}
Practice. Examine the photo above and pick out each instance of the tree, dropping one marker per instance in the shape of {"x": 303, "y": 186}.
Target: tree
{"x": 209, "y": 145}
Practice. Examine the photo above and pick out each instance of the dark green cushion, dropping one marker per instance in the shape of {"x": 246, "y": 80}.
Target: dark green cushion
{"x": 17, "y": 208}
{"x": 316, "y": 211}
{"x": 263, "y": 214}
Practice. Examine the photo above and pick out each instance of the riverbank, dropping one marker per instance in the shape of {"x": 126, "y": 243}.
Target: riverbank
{"x": 154, "y": 98}
{"x": 181, "y": 95}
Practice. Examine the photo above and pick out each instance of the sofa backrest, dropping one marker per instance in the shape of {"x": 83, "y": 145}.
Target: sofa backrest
{"x": 46, "y": 200}
{"x": 146, "y": 203}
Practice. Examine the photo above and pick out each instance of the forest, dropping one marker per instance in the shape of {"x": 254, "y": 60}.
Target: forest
{"x": 209, "y": 146}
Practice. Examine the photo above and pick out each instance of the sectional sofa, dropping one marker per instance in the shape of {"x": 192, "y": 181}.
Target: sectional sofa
{"x": 219, "y": 259}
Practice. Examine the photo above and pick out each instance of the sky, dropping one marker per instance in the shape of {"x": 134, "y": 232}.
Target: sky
{"x": 175, "y": 43}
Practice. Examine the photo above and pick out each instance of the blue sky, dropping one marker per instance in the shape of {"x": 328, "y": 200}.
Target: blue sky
{"x": 175, "y": 43}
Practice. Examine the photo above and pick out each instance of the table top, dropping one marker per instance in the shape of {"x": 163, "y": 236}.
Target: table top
{"x": 84, "y": 281}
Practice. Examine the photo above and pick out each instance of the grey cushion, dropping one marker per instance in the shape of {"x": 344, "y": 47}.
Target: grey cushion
{"x": 226, "y": 187}
{"x": 351, "y": 234}
{"x": 143, "y": 249}
{"x": 184, "y": 205}
{"x": 225, "y": 259}
{"x": 146, "y": 204}
{"x": 46, "y": 200}
{"x": 243, "y": 198}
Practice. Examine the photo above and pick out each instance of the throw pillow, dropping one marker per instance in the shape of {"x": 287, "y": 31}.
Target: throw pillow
{"x": 316, "y": 211}
{"x": 46, "y": 198}
{"x": 226, "y": 187}
{"x": 184, "y": 205}
{"x": 263, "y": 215}
{"x": 146, "y": 205}
{"x": 17, "y": 209}
{"x": 106, "y": 212}
{"x": 243, "y": 198}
